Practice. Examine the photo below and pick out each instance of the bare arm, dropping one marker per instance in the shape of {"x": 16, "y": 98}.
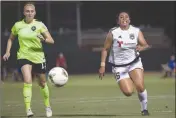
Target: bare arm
{"x": 47, "y": 37}
{"x": 107, "y": 46}
{"x": 104, "y": 52}
{"x": 142, "y": 42}
{"x": 9, "y": 46}
{"x": 9, "y": 43}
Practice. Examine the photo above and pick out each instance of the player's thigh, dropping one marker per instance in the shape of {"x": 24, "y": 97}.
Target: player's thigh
{"x": 26, "y": 69}
{"x": 40, "y": 70}
{"x": 126, "y": 86}
{"x": 123, "y": 79}
{"x": 137, "y": 75}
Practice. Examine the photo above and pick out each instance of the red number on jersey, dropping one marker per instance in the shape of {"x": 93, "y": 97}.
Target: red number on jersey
{"x": 120, "y": 43}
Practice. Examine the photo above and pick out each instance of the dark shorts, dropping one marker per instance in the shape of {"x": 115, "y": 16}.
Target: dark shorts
{"x": 36, "y": 68}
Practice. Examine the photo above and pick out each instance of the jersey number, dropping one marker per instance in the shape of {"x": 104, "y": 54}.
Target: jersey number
{"x": 44, "y": 65}
{"x": 117, "y": 75}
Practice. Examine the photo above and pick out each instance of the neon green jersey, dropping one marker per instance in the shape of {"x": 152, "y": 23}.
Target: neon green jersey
{"x": 30, "y": 46}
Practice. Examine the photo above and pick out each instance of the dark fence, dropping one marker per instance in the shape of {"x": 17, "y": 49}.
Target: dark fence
{"x": 88, "y": 62}
{"x": 85, "y": 61}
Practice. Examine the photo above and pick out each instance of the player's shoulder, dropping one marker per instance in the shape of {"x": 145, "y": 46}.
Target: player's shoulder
{"x": 39, "y": 22}
{"x": 134, "y": 27}
{"x": 19, "y": 22}
{"x": 114, "y": 29}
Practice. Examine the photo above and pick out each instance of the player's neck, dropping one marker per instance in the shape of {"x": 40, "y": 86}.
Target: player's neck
{"x": 28, "y": 21}
{"x": 125, "y": 27}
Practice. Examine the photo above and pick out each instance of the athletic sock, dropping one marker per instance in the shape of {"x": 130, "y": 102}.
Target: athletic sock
{"x": 27, "y": 93}
{"x": 143, "y": 99}
{"x": 45, "y": 93}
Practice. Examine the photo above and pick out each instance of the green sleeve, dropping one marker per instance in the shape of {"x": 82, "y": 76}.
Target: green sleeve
{"x": 43, "y": 28}
{"x": 14, "y": 30}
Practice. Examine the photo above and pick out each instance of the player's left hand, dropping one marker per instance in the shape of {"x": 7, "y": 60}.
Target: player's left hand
{"x": 139, "y": 48}
{"x": 101, "y": 72}
{"x": 142, "y": 48}
{"x": 41, "y": 37}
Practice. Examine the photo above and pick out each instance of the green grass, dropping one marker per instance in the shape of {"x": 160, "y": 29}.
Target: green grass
{"x": 85, "y": 96}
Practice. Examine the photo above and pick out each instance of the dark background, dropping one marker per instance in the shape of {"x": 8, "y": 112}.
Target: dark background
{"x": 93, "y": 15}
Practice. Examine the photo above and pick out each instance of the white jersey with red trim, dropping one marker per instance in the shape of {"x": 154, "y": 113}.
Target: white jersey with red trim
{"x": 123, "y": 49}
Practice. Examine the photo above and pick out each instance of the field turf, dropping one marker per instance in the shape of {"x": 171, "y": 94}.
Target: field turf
{"x": 86, "y": 96}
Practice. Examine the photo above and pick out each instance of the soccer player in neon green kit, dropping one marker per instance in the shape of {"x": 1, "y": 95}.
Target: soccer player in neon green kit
{"x": 31, "y": 33}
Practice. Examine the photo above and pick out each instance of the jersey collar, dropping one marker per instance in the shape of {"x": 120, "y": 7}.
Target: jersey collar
{"x": 28, "y": 23}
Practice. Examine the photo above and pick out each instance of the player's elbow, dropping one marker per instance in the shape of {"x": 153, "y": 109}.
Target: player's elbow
{"x": 51, "y": 41}
{"x": 146, "y": 46}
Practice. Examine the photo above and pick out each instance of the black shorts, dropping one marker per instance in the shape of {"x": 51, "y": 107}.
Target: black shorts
{"x": 135, "y": 60}
{"x": 36, "y": 68}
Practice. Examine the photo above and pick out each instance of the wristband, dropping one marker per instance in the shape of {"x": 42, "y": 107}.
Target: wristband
{"x": 102, "y": 64}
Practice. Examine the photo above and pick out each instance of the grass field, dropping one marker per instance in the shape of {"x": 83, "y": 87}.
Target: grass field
{"x": 85, "y": 96}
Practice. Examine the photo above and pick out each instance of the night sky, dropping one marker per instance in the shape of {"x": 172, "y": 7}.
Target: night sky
{"x": 96, "y": 14}
{"x": 103, "y": 13}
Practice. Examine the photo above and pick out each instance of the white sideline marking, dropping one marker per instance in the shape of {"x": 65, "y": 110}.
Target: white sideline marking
{"x": 164, "y": 111}
{"x": 98, "y": 98}
{"x": 88, "y": 100}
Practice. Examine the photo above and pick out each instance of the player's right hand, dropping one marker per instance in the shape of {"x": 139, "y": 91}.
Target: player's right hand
{"x": 101, "y": 72}
{"x": 6, "y": 56}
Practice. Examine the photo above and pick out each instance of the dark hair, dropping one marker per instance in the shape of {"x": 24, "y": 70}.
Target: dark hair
{"x": 125, "y": 11}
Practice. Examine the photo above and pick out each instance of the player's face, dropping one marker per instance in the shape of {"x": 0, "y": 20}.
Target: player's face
{"x": 29, "y": 12}
{"x": 124, "y": 19}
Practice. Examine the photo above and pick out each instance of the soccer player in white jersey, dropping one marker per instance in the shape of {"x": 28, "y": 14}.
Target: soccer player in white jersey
{"x": 30, "y": 56}
{"x": 125, "y": 42}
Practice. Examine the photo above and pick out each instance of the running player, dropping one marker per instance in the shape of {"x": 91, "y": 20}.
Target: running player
{"x": 125, "y": 42}
{"x": 30, "y": 56}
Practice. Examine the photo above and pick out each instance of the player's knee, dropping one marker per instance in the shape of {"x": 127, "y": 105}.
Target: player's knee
{"x": 42, "y": 83}
{"x": 128, "y": 93}
{"x": 140, "y": 88}
{"x": 28, "y": 81}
